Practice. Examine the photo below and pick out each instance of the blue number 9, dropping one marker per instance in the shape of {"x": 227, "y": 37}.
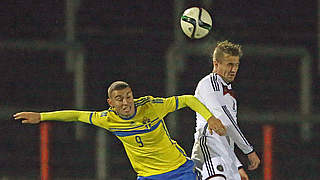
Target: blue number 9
{"x": 138, "y": 139}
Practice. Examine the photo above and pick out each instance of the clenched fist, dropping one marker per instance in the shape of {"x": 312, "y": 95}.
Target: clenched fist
{"x": 215, "y": 124}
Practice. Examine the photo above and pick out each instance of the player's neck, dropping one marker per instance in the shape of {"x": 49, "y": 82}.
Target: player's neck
{"x": 224, "y": 79}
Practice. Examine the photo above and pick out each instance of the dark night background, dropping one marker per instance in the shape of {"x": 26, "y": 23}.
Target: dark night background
{"x": 128, "y": 40}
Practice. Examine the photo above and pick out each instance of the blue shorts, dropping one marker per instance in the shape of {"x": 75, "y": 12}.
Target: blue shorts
{"x": 184, "y": 172}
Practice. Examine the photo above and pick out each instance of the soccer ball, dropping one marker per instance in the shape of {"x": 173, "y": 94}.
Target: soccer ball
{"x": 196, "y": 22}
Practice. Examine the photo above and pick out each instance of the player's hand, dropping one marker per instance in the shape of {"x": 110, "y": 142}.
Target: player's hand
{"x": 243, "y": 174}
{"x": 253, "y": 160}
{"x": 215, "y": 124}
{"x": 28, "y": 117}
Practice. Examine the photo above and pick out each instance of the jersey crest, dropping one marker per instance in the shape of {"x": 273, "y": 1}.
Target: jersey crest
{"x": 147, "y": 123}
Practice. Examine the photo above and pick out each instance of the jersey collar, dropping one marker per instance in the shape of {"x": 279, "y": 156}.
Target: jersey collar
{"x": 222, "y": 81}
{"x": 128, "y": 118}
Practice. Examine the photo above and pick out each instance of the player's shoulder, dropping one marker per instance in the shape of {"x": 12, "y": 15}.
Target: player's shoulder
{"x": 148, "y": 100}
{"x": 102, "y": 117}
{"x": 210, "y": 81}
{"x": 142, "y": 100}
{"x": 106, "y": 113}
{"x": 205, "y": 79}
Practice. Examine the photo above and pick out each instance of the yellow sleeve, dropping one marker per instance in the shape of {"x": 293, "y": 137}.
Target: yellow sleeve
{"x": 66, "y": 116}
{"x": 166, "y": 105}
{"x": 163, "y": 106}
{"x": 193, "y": 103}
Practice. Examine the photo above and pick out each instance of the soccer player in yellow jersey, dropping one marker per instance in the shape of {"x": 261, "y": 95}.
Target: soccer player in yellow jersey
{"x": 139, "y": 125}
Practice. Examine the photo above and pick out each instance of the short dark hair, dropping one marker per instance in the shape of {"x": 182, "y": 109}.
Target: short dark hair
{"x": 226, "y": 48}
{"x": 117, "y": 85}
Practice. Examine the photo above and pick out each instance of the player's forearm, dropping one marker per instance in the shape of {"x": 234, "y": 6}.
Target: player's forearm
{"x": 237, "y": 136}
{"x": 66, "y": 115}
{"x": 193, "y": 103}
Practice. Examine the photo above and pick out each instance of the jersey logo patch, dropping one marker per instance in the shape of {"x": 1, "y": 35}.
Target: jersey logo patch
{"x": 104, "y": 114}
{"x": 234, "y": 106}
{"x": 220, "y": 168}
{"x": 147, "y": 123}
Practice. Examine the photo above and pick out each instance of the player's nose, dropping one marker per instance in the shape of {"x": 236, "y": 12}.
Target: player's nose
{"x": 125, "y": 101}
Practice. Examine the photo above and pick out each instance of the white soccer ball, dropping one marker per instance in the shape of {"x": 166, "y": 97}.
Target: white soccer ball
{"x": 196, "y": 22}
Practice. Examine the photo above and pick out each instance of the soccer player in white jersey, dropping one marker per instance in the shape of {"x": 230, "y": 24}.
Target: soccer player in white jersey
{"x": 213, "y": 154}
{"x": 139, "y": 125}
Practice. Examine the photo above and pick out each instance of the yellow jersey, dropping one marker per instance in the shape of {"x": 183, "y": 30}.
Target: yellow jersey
{"x": 144, "y": 135}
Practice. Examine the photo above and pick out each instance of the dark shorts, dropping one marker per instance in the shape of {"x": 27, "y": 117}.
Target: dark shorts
{"x": 184, "y": 172}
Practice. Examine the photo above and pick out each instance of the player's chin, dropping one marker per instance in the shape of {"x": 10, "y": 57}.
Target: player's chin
{"x": 127, "y": 112}
{"x": 231, "y": 78}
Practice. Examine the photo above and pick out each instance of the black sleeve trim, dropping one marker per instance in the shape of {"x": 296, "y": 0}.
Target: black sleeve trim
{"x": 250, "y": 152}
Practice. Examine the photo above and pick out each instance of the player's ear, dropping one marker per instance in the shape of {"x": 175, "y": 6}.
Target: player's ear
{"x": 109, "y": 102}
{"x": 215, "y": 63}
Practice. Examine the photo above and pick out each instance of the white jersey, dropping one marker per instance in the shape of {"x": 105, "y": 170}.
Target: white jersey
{"x": 217, "y": 96}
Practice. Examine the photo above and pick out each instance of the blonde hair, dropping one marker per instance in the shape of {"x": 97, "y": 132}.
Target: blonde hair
{"x": 226, "y": 48}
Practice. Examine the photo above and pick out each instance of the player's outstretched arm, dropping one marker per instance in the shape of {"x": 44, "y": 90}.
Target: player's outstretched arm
{"x": 28, "y": 117}
{"x": 253, "y": 160}
{"x": 64, "y": 115}
{"x": 214, "y": 124}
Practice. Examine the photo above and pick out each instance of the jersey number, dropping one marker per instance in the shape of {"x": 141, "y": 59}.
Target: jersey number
{"x": 139, "y": 141}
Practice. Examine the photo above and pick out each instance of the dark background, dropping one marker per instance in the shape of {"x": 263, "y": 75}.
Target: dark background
{"x": 128, "y": 40}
